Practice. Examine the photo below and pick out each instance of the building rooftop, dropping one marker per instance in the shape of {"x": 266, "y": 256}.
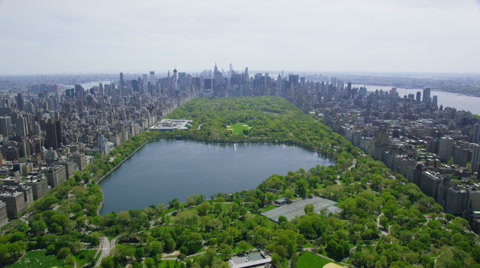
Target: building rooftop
{"x": 254, "y": 259}
{"x": 171, "y": 124}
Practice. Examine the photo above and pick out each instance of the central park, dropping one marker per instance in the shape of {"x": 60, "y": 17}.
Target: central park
{"x": 384, "y": 220}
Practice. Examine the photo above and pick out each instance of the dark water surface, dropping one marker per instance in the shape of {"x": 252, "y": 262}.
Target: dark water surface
{"x": 164, "y": 170}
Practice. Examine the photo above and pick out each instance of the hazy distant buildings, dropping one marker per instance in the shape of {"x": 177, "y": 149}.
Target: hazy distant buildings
{"x": 426, "y": 95}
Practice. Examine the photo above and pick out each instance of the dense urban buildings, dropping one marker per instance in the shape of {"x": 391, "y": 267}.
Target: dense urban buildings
{"x": 47, "y": 133}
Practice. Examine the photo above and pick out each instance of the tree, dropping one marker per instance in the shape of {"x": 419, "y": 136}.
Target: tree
{"x": 302, "y": 187}
{"x": 194, "y": 199}
{"x": 46, "y": 202}
{"x": 37, "y": 227}
{"x": 244, "y": 245}
{"x": 193, "y": 242}
{"x": 154, "y": 247}
{"x": 107, "y": 262}
{"x": 282, "y": 219}
{"x": 149, "y": 262}
{"x": 174, "y": 203}
{"x": 63, "y": 253}
{"x": 309, "y": 208}
{"x": 170, "y": 244}
{"x": 69, "y": 260}
{"x": 225, "y": 250}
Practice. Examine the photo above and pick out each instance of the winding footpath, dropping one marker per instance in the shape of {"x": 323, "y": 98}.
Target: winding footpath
{"x": 105, "y": 248}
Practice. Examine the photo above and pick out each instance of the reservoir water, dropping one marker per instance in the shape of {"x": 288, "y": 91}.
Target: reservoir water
{"x": 455, "y": 100}
{"x": 164, "y": 170}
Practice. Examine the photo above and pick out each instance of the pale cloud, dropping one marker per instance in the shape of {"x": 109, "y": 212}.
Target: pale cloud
{"x": 136, "y": 36}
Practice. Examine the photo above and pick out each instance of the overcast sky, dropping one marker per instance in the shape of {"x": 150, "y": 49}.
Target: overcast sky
{"x": 84, "y": 36}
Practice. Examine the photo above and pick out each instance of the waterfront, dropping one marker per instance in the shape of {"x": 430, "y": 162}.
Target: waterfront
{"x": 164, "y": 170}
{"x": 447, "y": 99}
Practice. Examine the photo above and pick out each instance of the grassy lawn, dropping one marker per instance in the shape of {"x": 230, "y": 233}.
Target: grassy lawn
{"x": 309, "y": 259}
{"x": 37, "y": 259}
{"x": 238, "y": 128}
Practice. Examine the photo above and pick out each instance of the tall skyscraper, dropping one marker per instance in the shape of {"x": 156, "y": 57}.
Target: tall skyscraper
{"x": 53, "y": 134}
{"x": 419, "y": 96}
{"x": 122, "y": 81}
{"x": 20, "y": 101}
{"x": 476, "y": 158}
{"x": 153, "y": 80}
{"x": 426, "y": 95}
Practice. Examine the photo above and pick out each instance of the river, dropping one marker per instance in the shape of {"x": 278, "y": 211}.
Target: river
{"x": 164, "y": 170}
{"x": 455, "y": 100}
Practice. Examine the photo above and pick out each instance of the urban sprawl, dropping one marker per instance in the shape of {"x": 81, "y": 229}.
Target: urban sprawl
{"x": 48, "y": 132}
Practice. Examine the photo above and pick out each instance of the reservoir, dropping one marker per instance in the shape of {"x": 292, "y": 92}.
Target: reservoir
{"x": 164, "y": 170}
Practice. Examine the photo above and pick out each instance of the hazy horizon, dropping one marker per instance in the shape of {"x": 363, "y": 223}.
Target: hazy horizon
{"x": 373, "y": 36}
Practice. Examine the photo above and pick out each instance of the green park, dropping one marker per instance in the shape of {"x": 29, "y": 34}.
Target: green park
{"x": 384, "y": 220}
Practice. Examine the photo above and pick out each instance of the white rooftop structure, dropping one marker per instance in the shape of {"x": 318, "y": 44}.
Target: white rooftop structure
{"x": 171, "y": 124}
{"x": 255, "y": 259}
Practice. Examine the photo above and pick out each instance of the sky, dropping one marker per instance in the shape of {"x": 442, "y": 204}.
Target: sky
{"x": 112, "y": 36}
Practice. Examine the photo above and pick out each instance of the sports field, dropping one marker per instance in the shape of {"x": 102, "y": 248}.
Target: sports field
{"x": 238, "y": 128}
{"x": 308, "y": 260}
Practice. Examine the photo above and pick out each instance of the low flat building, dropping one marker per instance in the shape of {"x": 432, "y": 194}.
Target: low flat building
{"x": 254, "y": 259}
{"x": 171, "y": 125}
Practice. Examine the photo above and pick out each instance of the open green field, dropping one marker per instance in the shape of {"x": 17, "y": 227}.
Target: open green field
{"x": 309, "y": 259}
{"x": 238, "y": 128}
{"x": 37, "y": 259}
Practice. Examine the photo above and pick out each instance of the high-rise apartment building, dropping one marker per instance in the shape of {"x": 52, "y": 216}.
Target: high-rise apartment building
{"x": 445, "y": 148}
{"x": 476, "y": 158}
{"x": 476, "y": 133}
{"x": 5, "y": 126}
{"x": 53, "y": 134}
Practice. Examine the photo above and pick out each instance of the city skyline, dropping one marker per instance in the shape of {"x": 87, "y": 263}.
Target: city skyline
{"x": 111, "y": 36}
